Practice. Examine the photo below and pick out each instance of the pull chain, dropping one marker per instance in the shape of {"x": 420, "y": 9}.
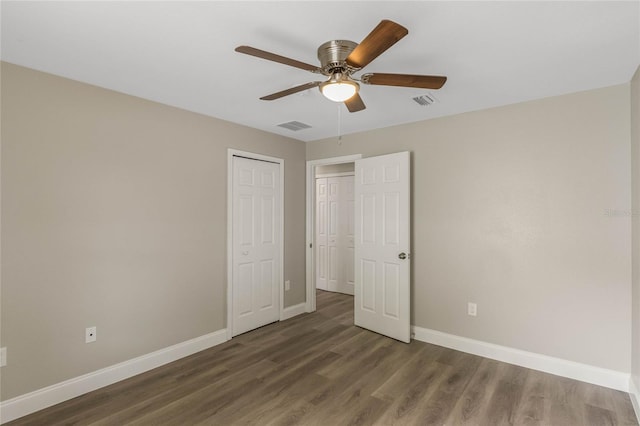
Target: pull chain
{"x": 339, "y": 124}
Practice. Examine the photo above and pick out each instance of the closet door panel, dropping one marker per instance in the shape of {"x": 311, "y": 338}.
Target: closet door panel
{"x": 349, "y": 228}
{"x": 321, "y": 251}
{"x": 335, "y": 255}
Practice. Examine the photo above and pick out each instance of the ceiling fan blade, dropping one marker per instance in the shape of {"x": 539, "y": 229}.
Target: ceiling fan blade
{"x": 248, "y": 50}
{"x": 405, "y": 80}
{"x": 291, "y": 91}
{"x": 355, "y": 103}
{"x": 385, "y": 35}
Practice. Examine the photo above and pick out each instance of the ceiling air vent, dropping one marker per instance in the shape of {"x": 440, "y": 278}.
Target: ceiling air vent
{"x": 425, "y": 100}
{"x": 294, "y": 126}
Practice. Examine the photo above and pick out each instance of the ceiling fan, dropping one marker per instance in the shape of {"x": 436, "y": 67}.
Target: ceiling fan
{"x": 340, "y": 59}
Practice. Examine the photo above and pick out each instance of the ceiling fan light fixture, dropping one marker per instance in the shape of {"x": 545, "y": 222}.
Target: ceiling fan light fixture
{"x": 338, "y": 90}
{"x": 341, "y": 58}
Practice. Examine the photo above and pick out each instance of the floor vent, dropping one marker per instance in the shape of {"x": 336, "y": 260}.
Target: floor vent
{"x": 425, "y": 100}
{"x": 294, "y": 126}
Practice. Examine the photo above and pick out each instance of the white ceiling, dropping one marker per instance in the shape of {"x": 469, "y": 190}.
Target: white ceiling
{"x": 182, "y": 53}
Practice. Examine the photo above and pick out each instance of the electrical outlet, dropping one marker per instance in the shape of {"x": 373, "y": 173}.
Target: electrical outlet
{"x": 287, "y": 285}
{"x": 472, "y": 309}
{"x": 90, "y": 335}
{"x": 3, "y": 357}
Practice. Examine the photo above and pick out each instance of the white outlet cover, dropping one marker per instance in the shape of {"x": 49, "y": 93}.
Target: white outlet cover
{"x": 472, "y": 309}
{"x": 90, "y": 335}
{"x": 3, "y": 357}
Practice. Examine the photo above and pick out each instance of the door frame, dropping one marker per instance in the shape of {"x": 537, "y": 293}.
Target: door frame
{"x": 252, "y": 156}
{"x": 310, "y": 305}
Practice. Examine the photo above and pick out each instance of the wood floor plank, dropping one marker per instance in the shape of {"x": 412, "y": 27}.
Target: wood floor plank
{"x": 534, "y": 407}
{"x": 506, "y": 395}
{"x": 363, "y": 339}
{"x": 206, "y": 401}
{"x": 270, "y": 408}
{"x": 306, "y": 343}
{"x": 404, "y": 407}
{"x": 438, "y": 406}
{"x": 276, "y": 382}
{"x": 624, "y": 409}
{"x": 294, "y": 416}
{"x": 474, "y": 401}
{"x": 409, "y": 372}
{"x": 353, "y": 362}
{"x": 178, "y": 393}
{"x": 567, "y": 402}
{"x": 367, "y": 412}
{"x": 597, "y": 416}
{"x": 319, "y": 369}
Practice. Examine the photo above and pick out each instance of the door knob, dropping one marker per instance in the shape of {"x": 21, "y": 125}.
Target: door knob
{"x": 402, "y": 256}
{"x": 244, "y": 253}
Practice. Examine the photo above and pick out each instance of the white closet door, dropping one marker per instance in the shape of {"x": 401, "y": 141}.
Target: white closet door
{"x": 344, "y": 245}
{"x": 333, "y": 234}
{"x": 256, "y": 244}
{"x": 321, "y": 234}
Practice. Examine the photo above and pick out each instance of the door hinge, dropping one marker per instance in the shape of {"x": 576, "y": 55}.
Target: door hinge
{"x": 310, "y": 245}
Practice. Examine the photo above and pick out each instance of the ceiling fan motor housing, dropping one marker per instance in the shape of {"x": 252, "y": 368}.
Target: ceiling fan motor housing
{"x": 333, "y": 55}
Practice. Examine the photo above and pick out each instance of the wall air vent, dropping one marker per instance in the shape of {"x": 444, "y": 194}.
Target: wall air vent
{"x": 425, "y": 100}
{"x": 294, "y": 126}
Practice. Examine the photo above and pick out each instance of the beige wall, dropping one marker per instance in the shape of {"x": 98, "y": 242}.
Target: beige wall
{"x": 114, "y": 215}
{"x": 522, "y": 209}
{"x": 635, "y": 209}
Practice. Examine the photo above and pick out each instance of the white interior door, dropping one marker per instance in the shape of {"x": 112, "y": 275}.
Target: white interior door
{"x": 382, "y": 241}
{"x": 256, "y": 244}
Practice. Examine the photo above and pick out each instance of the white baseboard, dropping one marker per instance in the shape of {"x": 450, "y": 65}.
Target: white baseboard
{"x": 292, "y": 311}
{"x": 634, "y": 393}
{"x": 560, "y": 367}
{"x": 42, "y": 398}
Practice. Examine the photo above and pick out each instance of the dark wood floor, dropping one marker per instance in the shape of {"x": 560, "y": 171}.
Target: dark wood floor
{"x": 319, "y": 369}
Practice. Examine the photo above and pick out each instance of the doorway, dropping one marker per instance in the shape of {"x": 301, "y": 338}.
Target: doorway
{"x": 334, "y": 228}
{"x": 382, "y": 242}
{"x": 313, "y": 168}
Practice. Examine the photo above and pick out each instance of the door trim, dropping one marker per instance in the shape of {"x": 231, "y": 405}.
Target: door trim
{"x": 311, "y": 197}
{"x": 252, "y": 156}
{"x": 328, "y": 175}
